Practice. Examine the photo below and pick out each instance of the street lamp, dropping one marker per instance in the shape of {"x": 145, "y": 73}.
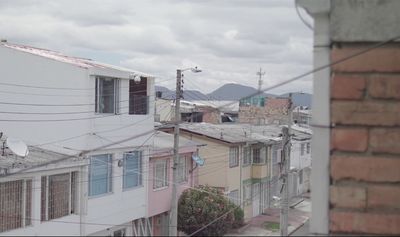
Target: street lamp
{"x": 174, "y": 203}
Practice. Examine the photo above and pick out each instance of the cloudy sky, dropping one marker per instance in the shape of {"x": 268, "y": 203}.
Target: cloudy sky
{"x": 229, "y": 39}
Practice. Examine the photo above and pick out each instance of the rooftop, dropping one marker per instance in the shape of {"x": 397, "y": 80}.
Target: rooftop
{"x": 76, "y": 61}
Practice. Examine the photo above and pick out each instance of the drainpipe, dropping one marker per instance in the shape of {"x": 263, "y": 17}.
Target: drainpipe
{"x": 320, "y": 145}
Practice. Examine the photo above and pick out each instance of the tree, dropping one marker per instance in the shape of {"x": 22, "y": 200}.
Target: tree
{"x": 198, "y": 207}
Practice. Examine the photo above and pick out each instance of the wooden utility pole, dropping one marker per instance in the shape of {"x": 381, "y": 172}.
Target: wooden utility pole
{"x": 174, "y": 202}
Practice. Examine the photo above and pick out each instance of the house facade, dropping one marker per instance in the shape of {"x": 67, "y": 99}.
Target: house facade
{"x": 161, "y": 178}
{"x": 90, "y": 110}
{"x": 238, "y": 161}
{"x": 260, "y": 110}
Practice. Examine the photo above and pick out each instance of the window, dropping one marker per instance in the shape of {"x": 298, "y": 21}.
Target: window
{"x": 132, "y": 169}
{"x": 100, "y": 172}
{"x": 246, "y": 155}
{"x": 15, "y": 197}
{"x": 256, "y": 155}
{"x": 58, "y": 195}
{"x": 181, "y": 169}
{"x": 121, "y": 232}
{"x": 300, "y": 176}
{"x": 302, "y": 148}
{"x": 234, "y": 197}
{"x": 247, "y": 192}
{"x": 160, "y": 178}
{"x": 308, "y": 148}
{"x": 138, "y": 99}
{"x": 107, "y": 95}
{"x": 233, "y": 156}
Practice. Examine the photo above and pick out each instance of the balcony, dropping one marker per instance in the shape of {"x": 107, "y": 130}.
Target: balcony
{"x": 259, "y": 171}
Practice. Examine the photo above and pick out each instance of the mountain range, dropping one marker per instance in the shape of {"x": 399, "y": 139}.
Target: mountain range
{"x": 233, "y": 91}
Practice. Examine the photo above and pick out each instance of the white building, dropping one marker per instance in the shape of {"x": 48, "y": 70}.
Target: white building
{"x": 92, "y": 111}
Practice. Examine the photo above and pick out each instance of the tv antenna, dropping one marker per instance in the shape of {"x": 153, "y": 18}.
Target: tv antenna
{"x": 260, "y": 74}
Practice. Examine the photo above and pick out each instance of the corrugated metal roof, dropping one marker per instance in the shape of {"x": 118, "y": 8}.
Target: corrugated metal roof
{"x": 76, "y": 61}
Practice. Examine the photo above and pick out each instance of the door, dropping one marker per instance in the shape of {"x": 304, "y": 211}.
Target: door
{"x": 256, "y": 199}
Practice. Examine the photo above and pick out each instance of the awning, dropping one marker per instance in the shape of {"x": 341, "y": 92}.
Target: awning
{"x": 198, "y": 160}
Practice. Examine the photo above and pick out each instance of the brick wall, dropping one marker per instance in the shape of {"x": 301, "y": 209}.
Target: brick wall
{"x": 274, "y": 111}
{"x": 365, "y": 141}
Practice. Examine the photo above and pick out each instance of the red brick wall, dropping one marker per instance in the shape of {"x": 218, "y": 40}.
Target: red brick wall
{"x": 275, "y": 110}
{"x": 365, "y": 142}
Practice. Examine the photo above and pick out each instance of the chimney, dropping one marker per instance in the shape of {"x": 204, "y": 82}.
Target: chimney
{"x": 158, "y": 94}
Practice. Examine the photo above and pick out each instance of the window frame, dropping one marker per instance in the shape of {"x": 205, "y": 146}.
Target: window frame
{"x": 165, "y": 183}
{"x": 139, "y": 175}
{"x": 259, "y": 155}
{"x": 116, "y": 95}
{"x": 234, "y": 196}
{"x": 109, "y": 176}
{"x": 181, "y": 176}
{"x": 25, "y": 202}
{"x": 308, "y": 148}
{"x": 246, "y": 150}
{"x": 233, "y": 156}
{"x": 45, "y": 209}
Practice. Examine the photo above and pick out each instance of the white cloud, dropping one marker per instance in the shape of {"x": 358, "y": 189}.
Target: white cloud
{"x": 229, "y": 39}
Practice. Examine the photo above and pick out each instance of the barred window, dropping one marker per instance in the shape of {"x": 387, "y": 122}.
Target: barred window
{"x": 256, "y": 155}
{"x": 160, "y": 174}
{"x": 233, "y": 156}
{"x": 181, "y": 169}
{"x": 16, "y": 204}
{"x": 234, "y": 197}
{"x": 246, "y": 155}
{"x": 58, "y": 195}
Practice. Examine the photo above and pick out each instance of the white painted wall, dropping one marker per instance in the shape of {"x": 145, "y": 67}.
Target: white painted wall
{"x": 28, "y": 69}
{"x": 116, "y": 208}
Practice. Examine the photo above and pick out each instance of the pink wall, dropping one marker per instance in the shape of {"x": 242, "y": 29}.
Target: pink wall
{"x": 160, "y": 199}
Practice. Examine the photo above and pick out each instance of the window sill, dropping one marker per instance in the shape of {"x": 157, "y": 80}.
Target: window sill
{"x": 100, "y": 195}
{"x": 160, "y": 189}
{"x": 259, "y": 164}
{"x": 233, "y": 166}
{"x": 132, "y": 188}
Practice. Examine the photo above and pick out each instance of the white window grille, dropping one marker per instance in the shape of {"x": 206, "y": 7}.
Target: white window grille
{"x": 58, "y": 195}
{"x": 308, "y": 148}
{"x": 107, "y": 95}
{"x": 160, "y": 178}
{"x": 15, "y": 204}
{"x": 247, "y": 192}
{"x": 257, "y": 155}
{"x": 234, "y": 197}
{"x": 132, "y": 169}
{"x": 181, "y": 169}
{"x": 100, "y": 174}
{"x": 233, "y": 156}
{"x": 246, "y": 155}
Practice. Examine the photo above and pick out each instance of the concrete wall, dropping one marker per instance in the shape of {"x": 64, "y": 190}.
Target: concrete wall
{"x": 40, "y": 71}
{"x": 275, "y": 111}
{"x": 160, "y": 199}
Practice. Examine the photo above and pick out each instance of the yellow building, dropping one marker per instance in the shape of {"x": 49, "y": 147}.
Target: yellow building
{"x": 240, "y": 160}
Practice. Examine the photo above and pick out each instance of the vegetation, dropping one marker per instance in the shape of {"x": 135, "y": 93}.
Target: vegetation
{"x": 198, "y": 207}
{"x": 271, "y": 226}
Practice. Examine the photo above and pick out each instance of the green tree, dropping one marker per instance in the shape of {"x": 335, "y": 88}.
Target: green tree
{"x": 198, "y": 207}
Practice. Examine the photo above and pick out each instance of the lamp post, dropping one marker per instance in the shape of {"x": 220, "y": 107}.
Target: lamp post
{"x": 174, "y": 202}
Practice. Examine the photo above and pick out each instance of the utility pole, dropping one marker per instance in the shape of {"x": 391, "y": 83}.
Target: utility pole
{"x": 260, "y": 82}
{"x": 174, "y": 202}
{"x": 286, "y": 132}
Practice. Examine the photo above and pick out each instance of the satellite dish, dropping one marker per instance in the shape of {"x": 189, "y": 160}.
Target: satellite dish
{"x": 17, "y": 146}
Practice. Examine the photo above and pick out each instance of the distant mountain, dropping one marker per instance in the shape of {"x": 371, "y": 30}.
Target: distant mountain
{"x": 233, "y": 92}
{"x": 187, "y": 94}
{"x": 299, "y": 98}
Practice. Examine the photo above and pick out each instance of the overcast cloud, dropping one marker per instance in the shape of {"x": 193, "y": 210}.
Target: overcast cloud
{"x": 230, "y": 40}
